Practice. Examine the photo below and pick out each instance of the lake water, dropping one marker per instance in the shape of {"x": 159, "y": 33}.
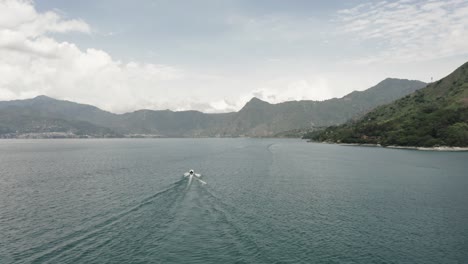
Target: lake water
{"x": 266, "y": 201}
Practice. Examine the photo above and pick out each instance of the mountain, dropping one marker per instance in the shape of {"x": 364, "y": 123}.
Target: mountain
{"x": 14, "y": 123}
{"x": 48, "y": 107}
{"x": 257, "y": 118}
{"x": 436, "y": 115}
{"x": 47, "y": 116}
{"x": 173, "y": 124}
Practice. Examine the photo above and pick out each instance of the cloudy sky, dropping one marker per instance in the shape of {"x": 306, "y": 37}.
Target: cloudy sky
{"x": 214, "y": 55}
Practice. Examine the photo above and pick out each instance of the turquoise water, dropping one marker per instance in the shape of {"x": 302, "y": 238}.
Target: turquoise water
{"x": 266, "y": 201}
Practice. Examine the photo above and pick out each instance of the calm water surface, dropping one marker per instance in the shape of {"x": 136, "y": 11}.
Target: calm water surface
{"x": 266, "y": 201}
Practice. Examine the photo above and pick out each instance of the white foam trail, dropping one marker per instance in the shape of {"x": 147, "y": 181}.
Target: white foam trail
{"x": 201, "y": 181}
{"x": 190, "y": 181}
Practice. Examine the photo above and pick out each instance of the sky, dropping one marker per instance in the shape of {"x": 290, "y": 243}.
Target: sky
{"x": 215, "y": 55}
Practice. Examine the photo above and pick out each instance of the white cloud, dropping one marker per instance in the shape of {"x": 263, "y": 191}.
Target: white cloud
{"x": 277, "y": 91}
{"x": 409, "y": 30}
{"x": 292, "y": 89}
{"x": 32, "y": 63}
{"x": 21, "y": 16}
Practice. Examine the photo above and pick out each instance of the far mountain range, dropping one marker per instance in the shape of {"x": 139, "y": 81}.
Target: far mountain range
{"x": 45, "y": 117}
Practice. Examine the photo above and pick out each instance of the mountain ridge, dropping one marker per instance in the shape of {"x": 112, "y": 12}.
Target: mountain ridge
{"x": 257, "y": 118}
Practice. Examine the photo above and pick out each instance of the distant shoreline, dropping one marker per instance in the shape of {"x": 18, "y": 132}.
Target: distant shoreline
{"x": 440, "y": 148}
{"x": 158, "y": 137}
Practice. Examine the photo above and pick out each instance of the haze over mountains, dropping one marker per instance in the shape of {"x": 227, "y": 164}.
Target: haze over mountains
{"x": 47, "y": 117}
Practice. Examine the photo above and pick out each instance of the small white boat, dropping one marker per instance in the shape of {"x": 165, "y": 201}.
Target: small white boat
{"x": 192, "y": 175}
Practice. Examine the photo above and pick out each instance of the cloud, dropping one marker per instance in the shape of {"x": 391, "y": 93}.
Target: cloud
{"x": 408, "y": 30}
{"x": 34, "y": 63}
{"x": 277, "y": 91}
{"x": 293, "y": 89}
{"x": 21, "y": 16}
{"x": 44, "y": 66}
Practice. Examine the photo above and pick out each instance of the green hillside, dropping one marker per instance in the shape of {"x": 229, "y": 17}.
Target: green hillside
{"x": 436, "y": 115}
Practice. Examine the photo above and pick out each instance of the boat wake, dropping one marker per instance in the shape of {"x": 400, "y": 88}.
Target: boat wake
{"x": 58, "y": 247}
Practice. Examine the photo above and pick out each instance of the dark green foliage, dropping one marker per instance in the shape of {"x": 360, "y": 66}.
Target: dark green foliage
{"x": 456, "y": 134}
{"x": 434, "y": 116}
